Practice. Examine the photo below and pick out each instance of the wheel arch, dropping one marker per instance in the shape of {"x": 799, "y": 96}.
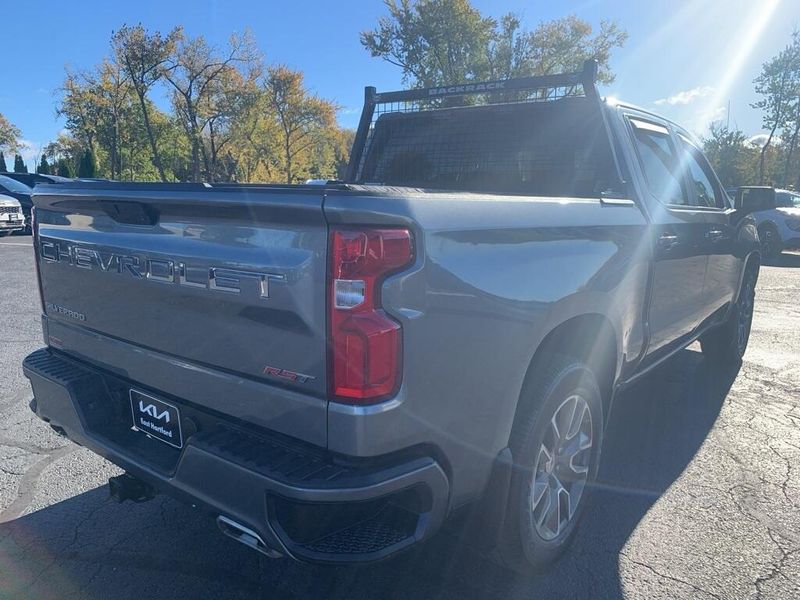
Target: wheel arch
{"x": 590, "y": 337}
{"x": 753, "y": 261}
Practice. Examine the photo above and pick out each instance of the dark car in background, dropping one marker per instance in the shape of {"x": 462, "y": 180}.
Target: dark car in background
{"x": 20, "y": 191}
{"x": 32, "y": 179}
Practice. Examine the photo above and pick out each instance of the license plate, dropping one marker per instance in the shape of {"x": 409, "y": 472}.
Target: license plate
{"x": 156, "y": 418}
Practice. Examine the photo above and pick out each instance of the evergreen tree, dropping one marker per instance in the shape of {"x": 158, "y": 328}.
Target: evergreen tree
{"x": 19, "y": 164}
{"x": 3, "y": 166}
{"x": 86, "y": 166}
{"x": 62, "y": 169}
{"x": 44, "y": 166}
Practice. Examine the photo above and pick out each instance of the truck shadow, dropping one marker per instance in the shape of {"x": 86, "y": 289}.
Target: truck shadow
{"x": 89, "y": 547}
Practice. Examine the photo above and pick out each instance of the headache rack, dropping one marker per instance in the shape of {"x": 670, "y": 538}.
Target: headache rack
{"x": 536, "y": 89}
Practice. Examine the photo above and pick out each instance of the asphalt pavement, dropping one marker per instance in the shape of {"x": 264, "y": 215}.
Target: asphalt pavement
{"x": 699, "y": 493}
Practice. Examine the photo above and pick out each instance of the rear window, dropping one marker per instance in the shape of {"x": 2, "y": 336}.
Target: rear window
{"x": 546, "y": 149}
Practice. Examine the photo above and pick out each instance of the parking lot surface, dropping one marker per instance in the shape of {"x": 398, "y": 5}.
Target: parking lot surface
{"x": 699, "y": 494}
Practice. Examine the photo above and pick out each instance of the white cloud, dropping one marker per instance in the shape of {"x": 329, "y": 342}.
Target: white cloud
{"x": 758, "y": 140}
{"x": 687, "y": 96}
{"x": 30, "y": 152}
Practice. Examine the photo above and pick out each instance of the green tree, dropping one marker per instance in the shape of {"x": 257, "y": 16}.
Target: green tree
{"x": 304, "y": 120}
{"x": 205, "y": 83}
{"x": 44, "y": 166}
{"x": 143, "y": 56}
{"x": 734, "y": 159}
{"x": 558, "y": 46}
{"x": 86, "y": 166}
{"x": 19, "y": 164}
{"x": 791, "y": 130}
{"x": 62, "y": 169}
{"x": 439, "y": 42}
{"x": 3, "y": 166}
{"x": 778, "y": 84}
{"x": 9, "y": 135}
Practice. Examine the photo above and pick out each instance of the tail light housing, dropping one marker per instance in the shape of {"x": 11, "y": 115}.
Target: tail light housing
{"x": 365, "y": 344}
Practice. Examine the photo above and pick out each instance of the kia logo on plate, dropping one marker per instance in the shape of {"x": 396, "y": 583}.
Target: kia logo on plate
{"x": 151, "y": 410}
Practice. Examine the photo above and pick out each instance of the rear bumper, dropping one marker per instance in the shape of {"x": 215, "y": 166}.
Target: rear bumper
{"x": 303, "y": 501}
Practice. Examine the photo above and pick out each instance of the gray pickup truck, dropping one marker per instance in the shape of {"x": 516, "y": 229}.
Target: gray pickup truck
{"x": 333, "y": 370}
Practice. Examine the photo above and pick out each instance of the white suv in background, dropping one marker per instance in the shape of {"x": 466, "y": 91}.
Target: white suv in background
{"x": 779, "y": 227}
{"x": 11, "y": 218}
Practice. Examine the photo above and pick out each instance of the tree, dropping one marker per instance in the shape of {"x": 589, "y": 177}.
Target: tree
{"x": 63, "y": 170}
{"x": 434, "y": 42}
{"x": 779, "y": 85}
{"x": 203, "y": 82}
{"x": 44, "y": 166}
{"x": 734, "y": 159}
{"x": 791, "y": 130}
{"x": 143, "y": 56}
{"x": 19, "y": 164}
{"x": 439, "y": 42}
{"x": 86, "y": 167}
{"x": 558, "y": 46}
{"x": 3, "y": 166}
{"x": 9, "y": 135}
{"x": 303, "y": 118}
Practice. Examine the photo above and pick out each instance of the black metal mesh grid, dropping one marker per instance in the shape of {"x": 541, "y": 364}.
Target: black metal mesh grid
{"x": 537, "y": 142}
{"x": 469, "y": 99}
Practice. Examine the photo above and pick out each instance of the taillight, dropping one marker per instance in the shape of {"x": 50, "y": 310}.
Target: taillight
{"x": 365, "y": 343}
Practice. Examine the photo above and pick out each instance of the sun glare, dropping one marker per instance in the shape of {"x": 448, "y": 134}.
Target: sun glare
{"x": 745, "y": 42}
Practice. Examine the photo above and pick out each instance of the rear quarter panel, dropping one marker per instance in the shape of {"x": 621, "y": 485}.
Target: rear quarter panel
{"x": 493, "y": 276}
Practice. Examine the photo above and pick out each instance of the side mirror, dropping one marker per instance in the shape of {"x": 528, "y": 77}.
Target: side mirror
{"x": 752, "y": 198}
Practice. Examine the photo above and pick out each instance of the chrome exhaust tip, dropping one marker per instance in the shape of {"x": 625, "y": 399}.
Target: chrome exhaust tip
{"x": 246, "y": 536}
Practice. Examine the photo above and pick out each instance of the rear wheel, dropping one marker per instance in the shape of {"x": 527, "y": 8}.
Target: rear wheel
{"x": 555, "y": 441}
{"x": 728, "y": 342}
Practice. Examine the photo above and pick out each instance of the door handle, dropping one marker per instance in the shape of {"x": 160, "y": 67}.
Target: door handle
{"x": 715, "y": 235}
{"x": 667, "y": 240}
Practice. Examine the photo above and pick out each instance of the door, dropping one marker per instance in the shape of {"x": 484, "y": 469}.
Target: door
{"x": 725, "y": 260}
{"x": 678, "y": 231}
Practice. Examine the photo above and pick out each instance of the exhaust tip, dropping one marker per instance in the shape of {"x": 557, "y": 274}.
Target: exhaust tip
{"x": 246, "y": 536}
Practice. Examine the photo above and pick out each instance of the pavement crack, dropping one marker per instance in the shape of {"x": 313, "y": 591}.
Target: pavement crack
{"x": 670, "y": 577}
{"x": 776, "y": 569}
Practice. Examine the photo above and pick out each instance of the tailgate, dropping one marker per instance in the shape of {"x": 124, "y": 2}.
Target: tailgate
{"x": 224, "y": 283}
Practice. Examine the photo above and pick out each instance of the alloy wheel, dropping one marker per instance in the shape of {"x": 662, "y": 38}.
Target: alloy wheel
{"x": 562, "y": 467}
{"x": 745, "y": 316}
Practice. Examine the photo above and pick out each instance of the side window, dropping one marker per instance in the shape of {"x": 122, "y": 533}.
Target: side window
{"x": 784, "y": 200}
{"x": 796, "y": 200}
{"x": 706, "y": 192}
{"x": 659, "y": 162}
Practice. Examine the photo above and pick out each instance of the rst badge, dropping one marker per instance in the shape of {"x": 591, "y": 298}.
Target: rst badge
{"x": 156, "y": 418}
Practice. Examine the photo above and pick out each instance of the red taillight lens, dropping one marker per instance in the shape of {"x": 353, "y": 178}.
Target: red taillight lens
{"x": 365, "y": 343}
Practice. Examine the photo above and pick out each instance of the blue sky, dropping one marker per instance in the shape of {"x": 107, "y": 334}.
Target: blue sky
{"x": 684, "y": 58}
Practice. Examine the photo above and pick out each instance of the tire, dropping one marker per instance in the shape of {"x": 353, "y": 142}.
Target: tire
{"x": 770, "y": 239}
{"x": 4, "y": 233}
{"x": 727, "y": 343}
{"x": 556, "y": 393}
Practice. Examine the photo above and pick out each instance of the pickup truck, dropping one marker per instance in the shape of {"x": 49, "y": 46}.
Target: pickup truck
{"x": 331, "y": 371}
{"x": 11, "y": 218}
